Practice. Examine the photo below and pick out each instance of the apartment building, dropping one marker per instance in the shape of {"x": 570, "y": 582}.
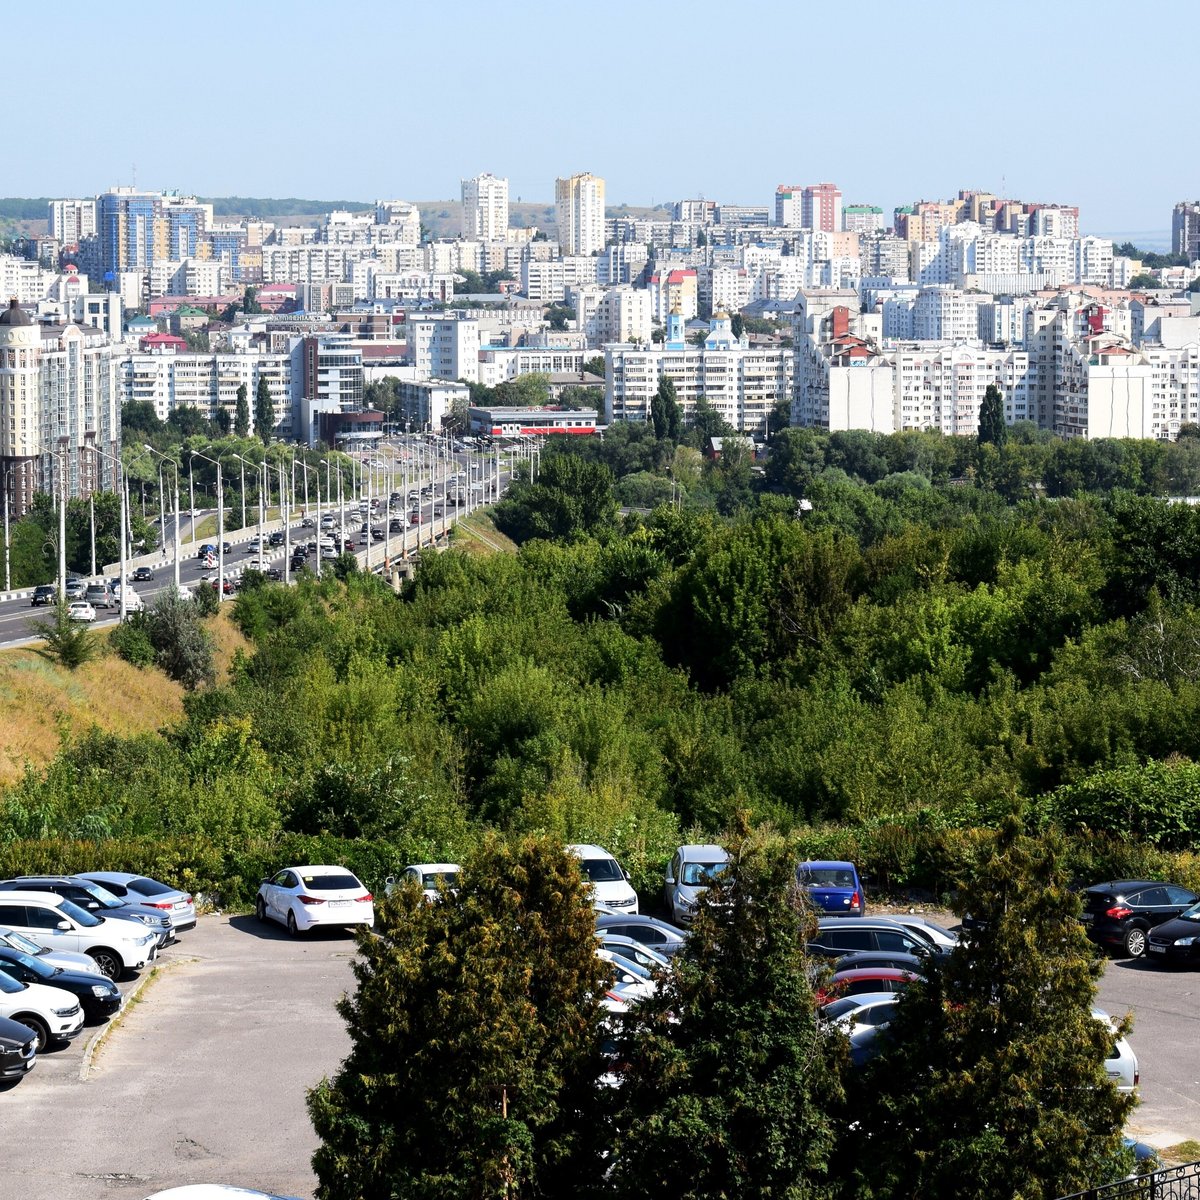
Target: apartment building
{"x": 1185, "y": 229}
{"x": 72, "y": 220}
{"x": 485, "y": 208}
{"x": 579, "y": 204}
{"x": 444, "y": 347}
{"x": 821, "y": 207}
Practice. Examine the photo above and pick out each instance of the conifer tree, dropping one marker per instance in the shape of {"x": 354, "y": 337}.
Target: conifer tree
{"x": 991, "y": 417}
{"x": 996, "y": 1058}
{"x": 264, "y": 412}
{"x": 241, "y": 423}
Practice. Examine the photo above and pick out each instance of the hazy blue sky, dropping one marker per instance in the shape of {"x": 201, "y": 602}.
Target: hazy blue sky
{"x": 1087, "y": 103}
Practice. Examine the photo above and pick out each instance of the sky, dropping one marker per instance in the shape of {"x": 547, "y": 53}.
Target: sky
{"x": 1057, "y": 101}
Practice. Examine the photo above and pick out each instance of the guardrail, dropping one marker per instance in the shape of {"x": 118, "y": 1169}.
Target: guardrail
{"x": 1169, "y": 1183}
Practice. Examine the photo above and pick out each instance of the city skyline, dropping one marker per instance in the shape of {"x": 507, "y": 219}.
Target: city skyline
{"x": 803, "y": 95}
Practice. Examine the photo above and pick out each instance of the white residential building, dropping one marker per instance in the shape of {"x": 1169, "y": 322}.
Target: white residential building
{"x": 579, "y": 203}
{"x": 485, "y": 208}
{"x": 72, "y": 220}
{"x": 624, "y": 314}
{"x": 444, "y": 348}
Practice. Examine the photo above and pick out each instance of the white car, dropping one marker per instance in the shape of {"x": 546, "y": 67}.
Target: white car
{"x": 214, "y": 1191}
{"x": 53, "y": 1014}
{"x": 428, "y": 876}
{"x": 133, "y": 602}
{"x": 1121, "y": 1064}
{"x": 81, "y": 610}
{"x": 852, "y": 1013}
{"x": 304, "y": 897}
{"x": 67, "y": 959}
{"x": 631, "y": 981}
{"x": 115, "y": 944}
{"x": 610, "y": 881}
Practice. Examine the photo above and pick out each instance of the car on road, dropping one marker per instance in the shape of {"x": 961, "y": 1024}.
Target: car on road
{"x": 98, "y": 995}
{"x": 833, "y": 887}
{"x": 98, "y": 595}
{"x": 609, "y": 880}
{"x": 18, "y": 1049}
{"x": 175, "y": 902}
{"x": 81, "y": 611}
{"x": 276, "y": 537}
{"x": 95, "y": 898}
{"x": 44, "y": 593}
{"x": 430, "y": 877}
{"x": 650, "y": 931}
{"x": 76, "y": 589}
{"x": 55, "y": 1016}
{"x": 1178, "y": 940}
{"x": 274, "y": 574}
{"x": 691, "y": 869}
{"x": 133, "y": 602}
{"x": 115, "y": 945}
{"x": 206, "y": 549}
{"x": 67, "y": 959}
{"x": 143, "y": 575}
{"x": 1120, "y": 914}
{"x": 301, "y": 898}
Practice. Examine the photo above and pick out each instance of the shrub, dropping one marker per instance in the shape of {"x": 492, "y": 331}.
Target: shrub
{"x": 181, "y": 644}
{"x": 131, "y": 641}
{"x": 68, "y": 643}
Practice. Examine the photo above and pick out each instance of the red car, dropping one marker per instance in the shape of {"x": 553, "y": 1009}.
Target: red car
{"x": 864, "y": 979}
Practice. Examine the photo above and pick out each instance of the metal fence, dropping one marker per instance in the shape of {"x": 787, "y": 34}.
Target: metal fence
{"x": 1171, "y": 1183}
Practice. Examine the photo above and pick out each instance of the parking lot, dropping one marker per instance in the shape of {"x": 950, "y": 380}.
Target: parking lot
{"x": 205, "y": 1076}
{"x": 203, "y": 1080}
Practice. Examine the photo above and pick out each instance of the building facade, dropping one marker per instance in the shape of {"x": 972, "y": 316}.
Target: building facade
{"x": 579, "y": 204}
{"x": 485, "y": 208}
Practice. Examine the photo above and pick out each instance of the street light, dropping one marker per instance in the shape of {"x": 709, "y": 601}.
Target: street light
{"x": 123, "y": 484}
{"x": 216, "y": 462}
{"x": 175, "y": 539}
{"x": 317, "y": 471}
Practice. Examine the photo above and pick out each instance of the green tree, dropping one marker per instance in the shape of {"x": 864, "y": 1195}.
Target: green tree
{"x": 572, "y": 498}
{"x": 996, "y": 1057}
{"x": 250, "y": 304}
{"x": 241, "y": 422}
{"x": 1143, "y": 280}
{"x": 224, "y": 421}
{"x": 664, "y": 408}
{"x": 264, "y": 411}
{"x": 991, "y": 418}
{"x": 737, "y": 325}
{"x": 182, "y": 646}
{"x": 68, "y": 643}
{"x": 559, "y": 315}
{"x": 595, "y": 365}
{"x": 475, "y": 1032}
{"x": 139, "y": 420}
{"x": 189, "y": 421}
{"x": 728, "y": 1077}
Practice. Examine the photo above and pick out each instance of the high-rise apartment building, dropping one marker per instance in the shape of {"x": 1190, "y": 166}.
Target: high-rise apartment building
{"x": 821, "y": 207}
{"x": 787, "y": 205}
{"x": 862, "y": 218}
{"x": 71, "y": 220}
{"x": 1185, "y": 229}
{"x": 125, "y": 221}
{"x": 485, "y": 208}
{"x": 579, "y": 202}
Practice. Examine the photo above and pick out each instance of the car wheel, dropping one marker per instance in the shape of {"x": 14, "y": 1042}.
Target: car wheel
{"x": 39, "y": 1027}
{"x": 291, "y": 924}
{"x": 107, "y": 961}
{"x": 1135, "y": 942}
{"x": 260, "y": 909}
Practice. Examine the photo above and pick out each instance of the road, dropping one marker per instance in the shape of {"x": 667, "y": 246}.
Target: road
{"x": 19, "y": 620}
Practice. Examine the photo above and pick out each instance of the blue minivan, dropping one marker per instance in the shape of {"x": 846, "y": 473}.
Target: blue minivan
{"x": 833, "y": 888}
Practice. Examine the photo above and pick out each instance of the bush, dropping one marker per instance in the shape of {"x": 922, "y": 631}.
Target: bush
{"x": 68, "y": 643}
{"x": 131, "y": 641}
{"x": 181, "y": 644}
{"x": 205, "y": 600}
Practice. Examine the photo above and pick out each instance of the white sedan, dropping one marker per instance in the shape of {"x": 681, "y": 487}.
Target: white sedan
{"x": 304, "y": 897}
{"x": 81, "y": 610}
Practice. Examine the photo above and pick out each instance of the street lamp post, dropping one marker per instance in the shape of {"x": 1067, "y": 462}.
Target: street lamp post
{"x": 175, "y": 500}
{"x": 220, "y": 523}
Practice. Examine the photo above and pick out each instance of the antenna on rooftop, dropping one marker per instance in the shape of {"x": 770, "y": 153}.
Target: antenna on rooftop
{"x": 133, "y": 168}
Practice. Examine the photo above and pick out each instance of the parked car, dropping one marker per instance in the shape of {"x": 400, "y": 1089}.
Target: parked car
{"x": 859, "y": 980}
{"x": 609, "y": 880}
{"x": 81, "y": 611}
{"x": 1120, "y": 914}
{"x": 634, "y": 951}
{"x": 67, "y": 959}
{"x": 174, "y": 902}
{"x": 1177, "y": 940}
{"x": 54, "y": 1016}
{"x": 1121, "y": 1064}
{"x": 44, "y": 593}
{"x": 95, "y": 898}
{"x": 690, "y": 871}
{"x": 843, "y": 934}
{"x": 880, "y": 958}
{"x": 631, "y": 981}
{"x": 18, "y": 1050}
{"x": 650, "y": 931}
{"x": 938, "y": 935}
{"x": 98, "y": 596}
{"x": 214, "y": 1191}
{"x": 98, "y": 995}
{"x": 833, "y": 887}
{"x": 430, "y": 877}
{"x": 143, "y": 575}
{"x": 304, "y": 897}
{"x": 852, "y": 1013}
{"x": 115, "y": 945}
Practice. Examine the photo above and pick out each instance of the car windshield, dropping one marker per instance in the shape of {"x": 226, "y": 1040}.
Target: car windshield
{"x": 18, "y": 941}
{"x": 430, "y": 879}
{"x": 40, "y": 969}
{"x": 1191, "y": 914}
{"x": 627, "y": 964}
{"x": 602, "y": 870}
{"x": 79, "y": 915}
{"x": 9, "y": 985}
{"x": 102, "y": 896}
{"x": 700, "y": 874}
{"x": 839, "y": 1008}
{"x": 827, "y": 877}
{"x": 332, "y": 883}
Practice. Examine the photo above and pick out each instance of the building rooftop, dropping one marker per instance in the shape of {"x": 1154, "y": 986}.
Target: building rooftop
{"x": 14, "y": 314}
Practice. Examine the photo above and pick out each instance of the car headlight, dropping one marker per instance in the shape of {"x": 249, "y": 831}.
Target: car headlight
{"x": 1188, "y": 941}
{"x": 66, "y": 1012}
{"x": 100, "y": 990}
{"x": 686, "y": 903}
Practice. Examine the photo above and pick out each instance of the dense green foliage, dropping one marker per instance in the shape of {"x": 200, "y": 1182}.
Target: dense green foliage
{"x": 476, "y": 1038}
{"x": 66, "y": 642}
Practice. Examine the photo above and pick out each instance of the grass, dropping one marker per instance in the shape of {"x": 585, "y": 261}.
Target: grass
{"x": 476, "y": 534}
{"x": 1183, "y": 1152}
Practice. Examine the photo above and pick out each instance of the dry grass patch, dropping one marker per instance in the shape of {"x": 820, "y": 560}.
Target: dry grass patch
{"x": 476, "y": 534}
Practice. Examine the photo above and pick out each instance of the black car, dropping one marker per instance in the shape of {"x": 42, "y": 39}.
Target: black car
{"x": 1177, "y": 940}
{"x": 276, "y": 538}
{"x": 274, "y": 574}
{"x": 1119, "y": 914}
{"x": 97, "y": 994}
{"x": 143, "y": 575}
{"x": 18, "y": 1049}
{"x": 44, "y": 593}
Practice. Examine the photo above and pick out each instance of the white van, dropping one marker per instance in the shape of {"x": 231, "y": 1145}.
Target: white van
{"x": 114, "y": 944}
{"x": 610, "y": 880}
